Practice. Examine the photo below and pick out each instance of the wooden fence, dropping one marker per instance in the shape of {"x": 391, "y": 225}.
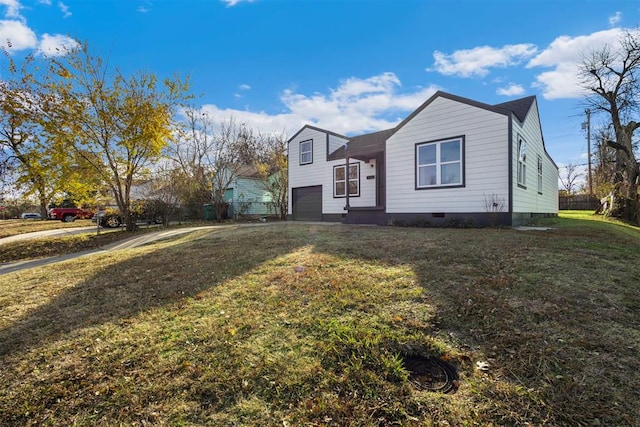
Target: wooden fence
{"x": 578, "y": 202}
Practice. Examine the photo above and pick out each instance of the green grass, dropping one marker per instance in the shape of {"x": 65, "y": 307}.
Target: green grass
{"x": 292, "y": 324}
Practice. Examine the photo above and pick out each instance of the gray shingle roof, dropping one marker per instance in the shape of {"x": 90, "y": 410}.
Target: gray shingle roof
{"x": 519, "y": 107}
{"x": 364, "y": 145}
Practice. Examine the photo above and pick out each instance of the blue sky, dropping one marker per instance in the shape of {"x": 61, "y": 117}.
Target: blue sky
{"x": 348, "y": 66}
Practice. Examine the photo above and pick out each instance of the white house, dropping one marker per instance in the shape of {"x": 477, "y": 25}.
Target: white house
{"x": 452, "y": 160}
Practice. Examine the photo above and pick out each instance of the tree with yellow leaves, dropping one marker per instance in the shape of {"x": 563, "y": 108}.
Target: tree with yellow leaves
{"x": 117, "y": 124}
{"x": 39, "y": 167}
{"x": 272, "y": 167}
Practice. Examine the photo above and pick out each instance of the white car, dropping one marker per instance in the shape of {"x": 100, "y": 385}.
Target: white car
{"x": 31, "y": 215}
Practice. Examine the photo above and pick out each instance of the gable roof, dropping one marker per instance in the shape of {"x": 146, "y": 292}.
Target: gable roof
{"x": 441, "y": 94}
{"x": 367, "y": 145}
{"x": 519, "y": 107}
{"x": 363, "y": 145}
{"x": 317, "y": 129}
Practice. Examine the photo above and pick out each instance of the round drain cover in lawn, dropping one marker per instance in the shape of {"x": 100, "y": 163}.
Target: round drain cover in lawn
{"x": 431, "y": 374}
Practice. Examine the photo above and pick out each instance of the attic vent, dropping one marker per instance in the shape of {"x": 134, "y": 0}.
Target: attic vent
{"x": 431, "y": 374}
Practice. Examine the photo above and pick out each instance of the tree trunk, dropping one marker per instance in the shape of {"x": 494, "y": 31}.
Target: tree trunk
{"x": 627, "y": 206}
{"x": 128, "y": 217}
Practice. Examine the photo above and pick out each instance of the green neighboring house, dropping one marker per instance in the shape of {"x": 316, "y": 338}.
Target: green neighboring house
{"x": 247, "y": 195}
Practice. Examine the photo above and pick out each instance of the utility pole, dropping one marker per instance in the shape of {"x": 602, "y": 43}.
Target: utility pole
{"x": 588, "y": 126}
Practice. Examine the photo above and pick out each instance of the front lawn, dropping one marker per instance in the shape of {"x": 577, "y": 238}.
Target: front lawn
{"x": 12, "y": 227}
{"x": 291, "y": 324}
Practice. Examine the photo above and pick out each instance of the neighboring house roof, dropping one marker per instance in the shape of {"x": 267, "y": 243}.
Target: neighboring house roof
{"x": 247, "y": 171}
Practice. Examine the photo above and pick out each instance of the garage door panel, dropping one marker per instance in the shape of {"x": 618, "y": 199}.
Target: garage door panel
{"x": 307, "y": 203}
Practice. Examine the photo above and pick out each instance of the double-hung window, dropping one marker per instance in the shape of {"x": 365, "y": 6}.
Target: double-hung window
{"x": 539, "y": 174}
{"x": 306, "y": 152}
{"x": 522, "y": 162}
{"x": 440, "y": 163}
{"x": 340, "y": 181}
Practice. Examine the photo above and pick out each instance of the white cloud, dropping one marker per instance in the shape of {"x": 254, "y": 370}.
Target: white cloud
{"x": 356, "y": 106}
{"x": 510, "y": 90}
{"x": 478, "y": 61}
{"x": 13, "y": 8}
{"x": 564, "y": 56}
{"x": 18, "y": 35}
{"x": 613, "y": 20}
{"x": 65, "y": 9}
{"x": 56, "y": 45}
{"x": 264, "y": 122}
{"x": 45, "y": 2}
{"x": 145, "y": 7}
{"x": 231, "y": 3}
{"x": 244, "y": 87}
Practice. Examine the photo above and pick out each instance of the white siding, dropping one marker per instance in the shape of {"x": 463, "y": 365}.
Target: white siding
{"x": 309, "y": 174}
{"x": 367, "y": 186}
{"x": 335, "y": 205}
{"x": 320, "y": 172}
{"x": 486, "y": 157}
{"x": 335, "y": 142}
{"x": 529, "y": 200}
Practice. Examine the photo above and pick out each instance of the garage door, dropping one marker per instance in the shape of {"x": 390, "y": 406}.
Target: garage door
{"x": 307, "y": 203}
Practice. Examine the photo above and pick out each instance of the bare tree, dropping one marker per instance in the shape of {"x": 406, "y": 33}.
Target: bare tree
{"x": 611, "y": 74}
{"x": 162, "y": 194}
{"x": 191, "y": 153}
{"x": 604, "y": 163}
{"x": 209, "y": 157}
{"x": 272, "y": 168}
{"x": 234, "y": 148}
{"x": 569, "y": 177}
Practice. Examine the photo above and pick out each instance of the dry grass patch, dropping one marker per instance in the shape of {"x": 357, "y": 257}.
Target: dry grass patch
{"x": 291, "y": 324}
{"x": 13, "y": 227}
{"x": 53, "y": 246}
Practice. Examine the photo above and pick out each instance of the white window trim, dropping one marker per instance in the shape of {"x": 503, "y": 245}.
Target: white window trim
{"x": 540, "y": 179}
{"x": 439, "y": 164}
{"x": 310, "y": 152}
{"x": 522, "y": 163}
{"x": 346, "y": 186}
